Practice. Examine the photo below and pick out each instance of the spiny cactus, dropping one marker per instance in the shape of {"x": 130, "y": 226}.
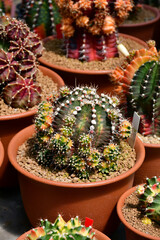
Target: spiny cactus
{"x": 80, "y": 131}
{"x": 149, "y": 199}
{"x": 138, "y": 83}
{"x": 19, "y": 50}
{"x": 73, "y": 229}
{"x": 89, "y": 27}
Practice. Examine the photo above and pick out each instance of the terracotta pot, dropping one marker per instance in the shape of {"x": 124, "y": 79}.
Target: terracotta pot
{"x": 151, "y": 164}
{"x": 74, "y": 77}
{"x": 10, "y": 125}
{"x": 44, "y": 198}
{"x": 143, "y": 30}
{"x": 1, "y": 154}
{"x": 131, "y": 232}
{"x": 98, "y": 235}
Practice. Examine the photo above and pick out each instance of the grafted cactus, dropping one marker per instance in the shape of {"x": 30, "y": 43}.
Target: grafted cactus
{"x": 138, "y": 83}
{"x": 89, "y": 27}
{"x": 80, "y": 131}
{"x": 149, "y": 199}
{"x": 73, "y": 229}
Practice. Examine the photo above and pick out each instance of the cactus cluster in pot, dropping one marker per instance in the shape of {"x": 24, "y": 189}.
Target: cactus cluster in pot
{"x": 80, "y": 131}
{"x": 90, "y": 27}
{"x": 61, "y": 230}
{"x": 138, "y": 82}
{"x": 19, "y": 50}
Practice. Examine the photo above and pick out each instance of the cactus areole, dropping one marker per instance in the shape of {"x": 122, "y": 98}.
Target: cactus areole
{"x": 80, "y": 131}
{"x": 89, "y": 27}
{"x": 138, "y": 82}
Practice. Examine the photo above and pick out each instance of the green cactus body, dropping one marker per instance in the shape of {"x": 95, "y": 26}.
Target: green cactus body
{"x": 61, "y": 230}
{"x": 81, "y": 130}
{"x": 138, "y": 82}
{"x": 149, "y": 198}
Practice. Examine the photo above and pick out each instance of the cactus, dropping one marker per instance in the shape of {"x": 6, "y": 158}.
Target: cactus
{"x": 89, "y": 27}
{"x": 138, "y": 84}
{"x": 19, "y": 50}
{"x": 73, "y": 229}
{"x": 80, "y": 131}
{"x": 149, "y": 199}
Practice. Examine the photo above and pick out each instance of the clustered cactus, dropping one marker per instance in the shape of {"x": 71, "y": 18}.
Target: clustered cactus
{"x": 19, "y": 50}
{"x": 149, "y": 200}
{"x": 61, "y": 230}
{"x": 138, "y": 83}
{"x": 89, "y": 27}
{"x": 80, "y": 131}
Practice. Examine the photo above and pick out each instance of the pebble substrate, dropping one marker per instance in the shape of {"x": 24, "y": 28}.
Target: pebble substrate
{"x": 133, "y": 216}
{"x": 47, "y": 86}
{"x": 126, "y": 161}
{"x": 152, "y": 139}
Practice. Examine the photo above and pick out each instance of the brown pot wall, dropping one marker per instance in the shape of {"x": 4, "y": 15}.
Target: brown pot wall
{"x": 43, "y": 198}
{"x": 151, "y": 164}
{"x": 1, "y": 154}
{"x": 144, "y": 31}
{"x": 73, "y": 77}
{"x": 10, "y": 125}
{"x": 131, "y": 232}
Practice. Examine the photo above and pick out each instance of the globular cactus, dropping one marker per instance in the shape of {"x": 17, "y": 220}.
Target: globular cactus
{"x": 138, "y": 83}
{"x": 80, "y": 131}
{"x": 149, "y": 200}
{"x": 89, "y": 27}
{"x": 73, "y": 229}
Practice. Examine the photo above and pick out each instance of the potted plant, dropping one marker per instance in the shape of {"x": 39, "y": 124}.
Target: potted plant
{"x": 138, "y": 209}
{"x": 89, "y": 48}
{"x": 142, "y": 22}
{"x": 79, "y": 141}
{"x": 71, "y": 229}
{"x": 19, "y": 79}
{"x": 138, "y": 85}
{"x": 1, "y": 153}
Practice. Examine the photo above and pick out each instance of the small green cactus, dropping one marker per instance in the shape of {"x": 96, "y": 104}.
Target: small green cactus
{"x": 149, "y": 199}
{"x": 80, "y": 131}
{"x": 61, "y": 230}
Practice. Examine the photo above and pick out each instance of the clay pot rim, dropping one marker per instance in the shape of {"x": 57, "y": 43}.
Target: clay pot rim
{"x": 100, "y": 234}
{"x": 151, "y": 145}
{"x": 123, "y": 220}
{"x": 59, "y": 81}
{"x": 153, "y": 9}
{"x": 86, "y": 72}
{"x": 12, "y": 150}
{"x": 1, "y": 153}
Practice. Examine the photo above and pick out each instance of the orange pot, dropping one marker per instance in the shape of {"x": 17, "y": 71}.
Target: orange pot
{"x": 1, "y": 153}
{"x": 44, "y": 198}
{"x": 145, "y": 30}
{"x": 151, "y": 164}
{"x": 74, "y": 77}
{"x": 131, "y": 232}
{"x": 98, "y": 235}
{"x": 10, "y": 125}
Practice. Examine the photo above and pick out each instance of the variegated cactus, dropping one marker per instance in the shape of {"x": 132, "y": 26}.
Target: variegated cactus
{"x": 80, "y": 131}
{"x": 73, "y": 229}
{"x": 149, "y": 200}
{"x": 89, "y": 27}
{"x": 138, "y": 85}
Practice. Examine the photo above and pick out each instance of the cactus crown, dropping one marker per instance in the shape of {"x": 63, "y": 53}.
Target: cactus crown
{"x": 61, "y": 230}
{"x": 138, "y": 83}
{"x": 149, "y": 199}
{"x": 19, "y": 50}
{"x": 80, "y": 131}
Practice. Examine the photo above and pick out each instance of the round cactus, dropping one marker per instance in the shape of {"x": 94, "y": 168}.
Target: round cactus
{"x": 78, "y": 128}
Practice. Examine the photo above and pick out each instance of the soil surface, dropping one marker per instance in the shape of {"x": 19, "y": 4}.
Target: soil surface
{"x": 27, "y": 161}
{"x": 149, "y": 139}
{"x": 134, "y": 218}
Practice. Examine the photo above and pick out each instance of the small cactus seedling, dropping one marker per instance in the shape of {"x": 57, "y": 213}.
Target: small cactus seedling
{"x": 80, "y": 131}
{"x": 19, "y": 50}
{"x": 73, "y": 229}
{"x": 89, "y": 27}
{"x": 149, "y": 200}
{"x": 138, "y": 83}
